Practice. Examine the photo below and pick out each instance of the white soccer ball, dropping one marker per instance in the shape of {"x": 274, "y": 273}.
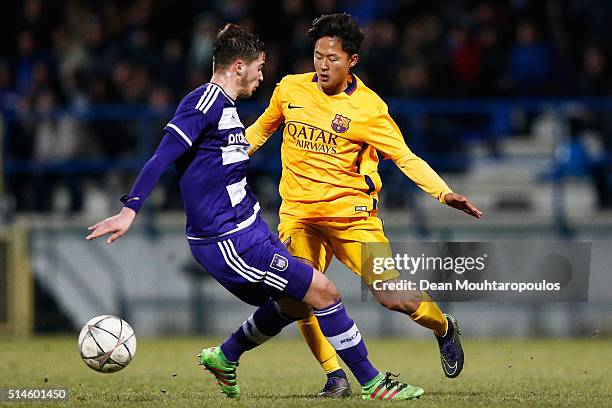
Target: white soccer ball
{"x": 107, "y": 343}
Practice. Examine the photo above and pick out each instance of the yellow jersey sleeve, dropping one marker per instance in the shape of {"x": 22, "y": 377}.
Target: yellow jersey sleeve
{"x": 267, "y": 123}
{"x": 385, "y": 136}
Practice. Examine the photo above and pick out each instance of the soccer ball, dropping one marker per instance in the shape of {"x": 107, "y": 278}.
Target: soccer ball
{"x": 107, "y": 344}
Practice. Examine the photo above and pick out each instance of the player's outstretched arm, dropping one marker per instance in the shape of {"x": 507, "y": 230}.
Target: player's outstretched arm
{"x": 462, "y": 203}
{"x": 116, "y": 225}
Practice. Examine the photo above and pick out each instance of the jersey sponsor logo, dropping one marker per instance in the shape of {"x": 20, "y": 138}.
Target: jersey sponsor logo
{"x": 340, "y": 123}
{"x": 236, "y": 138}
{"x": 294, "y": 106}
{"x": 230, "y": 119}
{"x": 359, "y": 208}
{"x": 312, "y": 138}
{"x": 279, "y": 262}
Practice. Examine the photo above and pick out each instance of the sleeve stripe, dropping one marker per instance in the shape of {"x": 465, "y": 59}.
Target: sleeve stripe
{"x": 180, "y": 132}
{"x": 210, "y": 101}
{"x": 204, "y": 95}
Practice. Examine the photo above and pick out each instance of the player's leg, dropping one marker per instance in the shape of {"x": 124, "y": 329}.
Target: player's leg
{"x": 306, "y": 243}
{"x": 241, "y": 264}
{"x": 422, "y": 309}
{"x": 336, "y": 324}
{"x": 269, "y": 320}
{"x": 356, "y": 246}
{"x": 284, "y": 276}
{"x": 337, "y": 384}
{"x": 343, "y": 334}
{"x": 266, "y": 322}
{"x": 254, "y": 267}
{"x": 415, "y": 303}
{"x": 291, "y": 278}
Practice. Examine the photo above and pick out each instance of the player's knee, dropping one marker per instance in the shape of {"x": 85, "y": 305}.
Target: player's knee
{"x": 324, "y": 291}
{"x": 295, "y": 309}
{"x": 330, "y": 291}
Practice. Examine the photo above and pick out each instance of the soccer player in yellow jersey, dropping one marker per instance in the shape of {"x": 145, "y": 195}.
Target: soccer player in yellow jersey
{"x": 334, "y": 129}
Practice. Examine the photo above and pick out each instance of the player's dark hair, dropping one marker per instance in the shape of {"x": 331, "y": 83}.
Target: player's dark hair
{"x": 341, "y": 25}
{"x": 234, "y": 43}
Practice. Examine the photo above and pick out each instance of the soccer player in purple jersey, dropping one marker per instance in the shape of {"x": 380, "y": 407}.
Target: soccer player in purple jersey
{"x": 205, "y": 140}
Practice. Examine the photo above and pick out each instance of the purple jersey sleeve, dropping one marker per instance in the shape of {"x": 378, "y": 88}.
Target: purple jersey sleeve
{"x": 168, "y": 151}
{"x": 191, "y": 117}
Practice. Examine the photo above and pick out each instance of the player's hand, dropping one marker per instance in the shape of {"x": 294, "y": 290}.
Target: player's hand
{"x": 116, "y": 225}
{"x": 462, "y": 203}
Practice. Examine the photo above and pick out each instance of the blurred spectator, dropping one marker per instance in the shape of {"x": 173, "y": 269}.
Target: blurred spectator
{"x": 86, "y": 56}
{"x": 80, "y": 42}
{"x": 595, "y": 77}
{"x": 380, "y": 62}
{"x": 595, "y": 80}
{"x": 200, "y": 53}
{"x": 8, "y": 95}
{"x": 26, "y": 58}
{"x": 57, "y": 138}
{"x": 171, "y": 68}
{"x": 414, "y": 81}
{"x": 70, "y": 56}
{"x": 492, "y": 64}
{"x": 37, "y": 20}
{"x": 531, "y": 65}
{"x": 466, "y": 56}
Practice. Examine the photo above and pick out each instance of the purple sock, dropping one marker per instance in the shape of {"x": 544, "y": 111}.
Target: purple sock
{"x": 344, "y": 336}
{"x": 265, "y": 323}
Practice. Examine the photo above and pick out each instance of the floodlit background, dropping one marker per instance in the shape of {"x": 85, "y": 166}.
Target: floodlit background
{"x": 508, "y": 100}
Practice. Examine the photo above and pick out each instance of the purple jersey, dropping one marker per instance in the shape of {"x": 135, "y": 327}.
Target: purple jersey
{"x": 217, "y": 199}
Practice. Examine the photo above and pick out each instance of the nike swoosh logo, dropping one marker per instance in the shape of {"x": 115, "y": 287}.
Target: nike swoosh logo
{"x": 294, "y": 106}
{"x": 448, "y": 367}
{"x": 452, "y": 367}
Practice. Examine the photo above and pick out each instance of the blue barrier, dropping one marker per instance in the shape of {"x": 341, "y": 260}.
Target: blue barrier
{"x": 406, "y": 112}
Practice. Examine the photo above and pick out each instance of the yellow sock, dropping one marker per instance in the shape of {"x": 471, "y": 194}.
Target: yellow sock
{"x": 429, "y": 315}
{"x": 319, "y": 346}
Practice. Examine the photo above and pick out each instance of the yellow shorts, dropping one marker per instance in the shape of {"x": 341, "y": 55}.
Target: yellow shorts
{"x": 356, "y": 242}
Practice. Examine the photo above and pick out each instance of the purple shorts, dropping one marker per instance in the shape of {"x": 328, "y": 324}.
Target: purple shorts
{"x": 254, "y": 265}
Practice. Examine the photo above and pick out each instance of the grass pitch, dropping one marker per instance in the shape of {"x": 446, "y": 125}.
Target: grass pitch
{"x": 281, "y": 373}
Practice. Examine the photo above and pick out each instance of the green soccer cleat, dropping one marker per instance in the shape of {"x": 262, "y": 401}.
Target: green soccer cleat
{"x": 382, "y": 387}
{"x": 214, "y": 360}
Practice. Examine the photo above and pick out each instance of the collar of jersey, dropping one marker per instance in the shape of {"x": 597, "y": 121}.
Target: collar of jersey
{"x": 224, "y": 93}
{"x": 351, "y": 85}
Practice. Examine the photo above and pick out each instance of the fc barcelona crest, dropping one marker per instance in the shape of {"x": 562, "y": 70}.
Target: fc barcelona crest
{"x": 340, "y": 123}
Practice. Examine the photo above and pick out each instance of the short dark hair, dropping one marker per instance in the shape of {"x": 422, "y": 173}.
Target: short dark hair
{"x": 233, "y": 43}
{"x": 341, "y": 25}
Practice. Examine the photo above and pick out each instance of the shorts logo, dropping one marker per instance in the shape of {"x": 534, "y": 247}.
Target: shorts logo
{"x": 279, "y": 262}
{"x": 340, "y": 123}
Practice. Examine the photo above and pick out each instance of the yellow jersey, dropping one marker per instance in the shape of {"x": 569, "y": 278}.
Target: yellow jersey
{"x": 330, "y": 148}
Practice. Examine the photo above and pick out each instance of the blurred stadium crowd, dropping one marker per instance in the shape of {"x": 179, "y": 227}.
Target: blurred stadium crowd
{"x": 75, "y": 55}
